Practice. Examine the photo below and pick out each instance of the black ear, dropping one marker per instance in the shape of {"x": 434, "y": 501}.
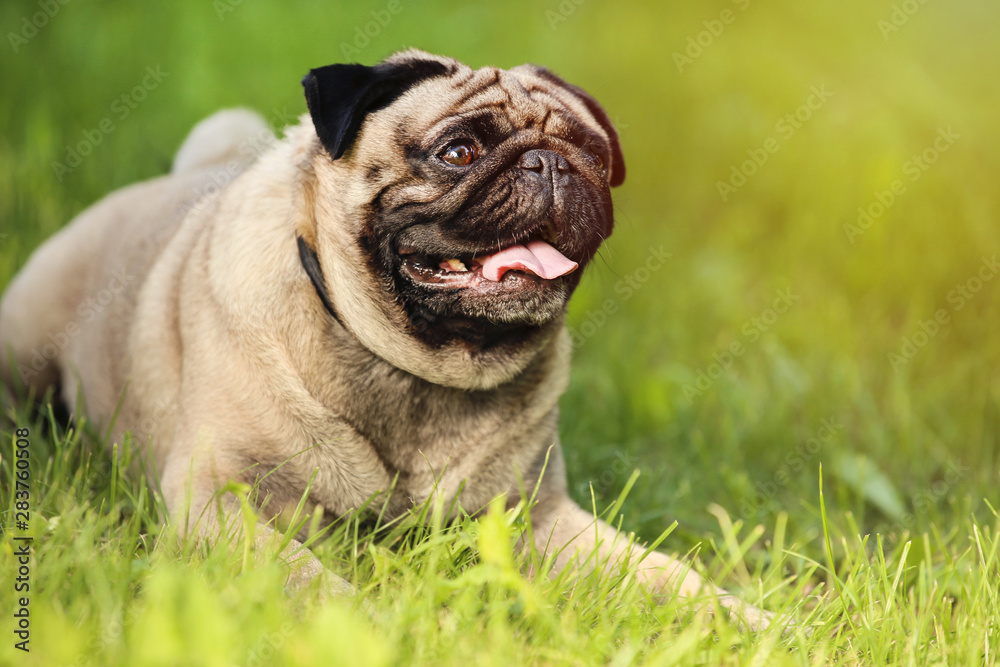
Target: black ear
{"x": 617, "y": 158}
{"x": 339, "y": 96}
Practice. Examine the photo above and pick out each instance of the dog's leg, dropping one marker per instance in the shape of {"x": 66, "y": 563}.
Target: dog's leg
{"x": 563, "y": 528}
{"x": 38, "y": 314}
{"x": 198, "y": 510}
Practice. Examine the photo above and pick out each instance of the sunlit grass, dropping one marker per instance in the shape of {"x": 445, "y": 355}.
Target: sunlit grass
{"x": 110, "y": 586}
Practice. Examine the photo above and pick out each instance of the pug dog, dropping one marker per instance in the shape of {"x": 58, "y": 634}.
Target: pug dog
{"x": 373, "y": 306}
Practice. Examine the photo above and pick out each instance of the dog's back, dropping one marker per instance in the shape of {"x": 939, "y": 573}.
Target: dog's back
{"x": 80, "y": 286}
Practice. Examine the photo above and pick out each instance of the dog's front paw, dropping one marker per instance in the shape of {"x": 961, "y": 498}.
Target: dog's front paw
{"x": 745, "y": 616}
{"x": 306, "y": 570}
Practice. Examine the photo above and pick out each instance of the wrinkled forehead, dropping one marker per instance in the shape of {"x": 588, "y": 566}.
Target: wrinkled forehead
{"x": 504, "y": 100}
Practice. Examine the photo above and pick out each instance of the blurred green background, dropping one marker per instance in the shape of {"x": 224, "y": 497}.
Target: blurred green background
{"x": 697, "y": 90}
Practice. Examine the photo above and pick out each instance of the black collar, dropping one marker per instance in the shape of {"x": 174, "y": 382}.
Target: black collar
{"x": 310, "y": 262}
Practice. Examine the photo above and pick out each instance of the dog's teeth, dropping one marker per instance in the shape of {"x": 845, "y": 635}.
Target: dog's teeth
{"x": 453, "y": 265}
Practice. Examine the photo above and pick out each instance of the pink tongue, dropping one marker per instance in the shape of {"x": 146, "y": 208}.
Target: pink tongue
{"x": 538, "y": 257}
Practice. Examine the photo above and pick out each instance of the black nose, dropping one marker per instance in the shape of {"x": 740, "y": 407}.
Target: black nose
{"x": 549, "y": 165}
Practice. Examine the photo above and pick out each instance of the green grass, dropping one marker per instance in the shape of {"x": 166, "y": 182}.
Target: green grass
{"x": 897, "y": 561}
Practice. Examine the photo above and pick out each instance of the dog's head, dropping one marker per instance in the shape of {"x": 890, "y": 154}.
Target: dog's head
{"x": 452, "y": 211}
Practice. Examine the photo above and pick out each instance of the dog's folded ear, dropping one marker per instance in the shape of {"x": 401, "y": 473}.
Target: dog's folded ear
{"x": 617, "y": 176}
{"x": 340, "y": 96}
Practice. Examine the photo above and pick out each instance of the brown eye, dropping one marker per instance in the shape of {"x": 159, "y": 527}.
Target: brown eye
{"x": 460, "y": 155}
{"x": 596, "y": 159}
